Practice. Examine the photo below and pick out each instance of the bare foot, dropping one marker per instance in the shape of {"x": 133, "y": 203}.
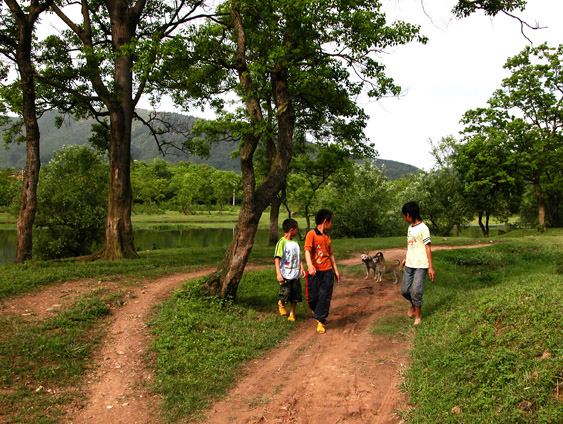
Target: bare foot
{"x": 411, "y": 312}
{"x": 417, "y": 321}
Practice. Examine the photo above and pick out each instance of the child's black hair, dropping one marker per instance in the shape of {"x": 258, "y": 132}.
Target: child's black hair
{"x": 288, "y": 224}
{"x": 413, "y": 210}
{"x": 322, "y": 215}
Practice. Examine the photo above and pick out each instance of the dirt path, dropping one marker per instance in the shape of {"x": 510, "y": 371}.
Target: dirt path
{"x": 344, "y": 376}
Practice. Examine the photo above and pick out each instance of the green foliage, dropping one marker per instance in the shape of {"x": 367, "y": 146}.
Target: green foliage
{"x": 524, "y": 121}
{"x": 464, "y": 8}
{"x": 366, "y": 206}
{"x": 72, "y": 198}
{"x": 489, "y": 349}
{"x": 439, "y": 194}
{"x": 318, "y": 166}
{"x": 200, "y": 339}
{"x": 10, "y": 187}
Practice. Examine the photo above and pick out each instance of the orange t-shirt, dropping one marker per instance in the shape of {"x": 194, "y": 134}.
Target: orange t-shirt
{"x": 319, "y": 245}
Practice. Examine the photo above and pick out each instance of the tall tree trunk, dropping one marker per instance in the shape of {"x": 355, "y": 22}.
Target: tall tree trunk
{"x": 224, "y": 282}
{"x": 119, "y": 229}
{"x": 484, "y": 229}
{"x": 541, "y": 210}
{"x": 28, "y": 200}
{"x": 274, "y": 218}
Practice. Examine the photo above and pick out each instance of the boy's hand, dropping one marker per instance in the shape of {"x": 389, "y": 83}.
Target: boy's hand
{"x": 431, "y": 273}
{"x": 302, "y": 272}
{"x": 312, "y": 270}
{"x": 337, "y": 275}
{"x": 280, "y": 277}
{"x": 403, "y": 263}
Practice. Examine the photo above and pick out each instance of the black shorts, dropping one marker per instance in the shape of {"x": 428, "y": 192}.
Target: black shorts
{"x": 290, "y": 291}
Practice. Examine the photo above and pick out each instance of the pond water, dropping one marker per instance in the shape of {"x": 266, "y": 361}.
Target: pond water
{"x": 166, "y": 238}
{"x": 152, "y": 239}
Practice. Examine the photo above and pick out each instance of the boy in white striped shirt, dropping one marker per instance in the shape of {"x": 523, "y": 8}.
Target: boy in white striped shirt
{"x": 289, "y": 269}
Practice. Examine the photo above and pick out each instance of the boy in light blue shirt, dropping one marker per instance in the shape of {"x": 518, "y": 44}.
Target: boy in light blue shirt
{"x": 289, "y": 269}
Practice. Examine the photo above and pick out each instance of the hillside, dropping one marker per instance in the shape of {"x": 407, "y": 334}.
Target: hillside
{"x": 144, "y": 148}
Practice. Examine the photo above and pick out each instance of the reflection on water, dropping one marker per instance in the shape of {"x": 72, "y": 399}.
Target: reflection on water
{"x": 153, "y": 239}
{"x": 189, "y": 237}
{"x": 8, "y": 243}
{"x": 162, "y": 238}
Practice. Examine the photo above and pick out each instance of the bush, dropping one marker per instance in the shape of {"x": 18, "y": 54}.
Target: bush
{"x": 72, "y": 203}
{"x": 366, "y": 207}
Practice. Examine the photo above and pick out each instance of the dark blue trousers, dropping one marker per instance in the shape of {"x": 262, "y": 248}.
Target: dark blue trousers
{"x": 319, "y": 293}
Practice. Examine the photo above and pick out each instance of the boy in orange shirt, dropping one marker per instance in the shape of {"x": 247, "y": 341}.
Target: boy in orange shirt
{"x": 321, "y": 268}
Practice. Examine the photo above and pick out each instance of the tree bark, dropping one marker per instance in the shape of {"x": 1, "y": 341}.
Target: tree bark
{"x": 224, "y": 282}
{"x": 119, "y": 241}
{"x": 541, "y": 210}
{"x": 28, "y": 199}
{"x": 274, "y": 218}
{"x": 484, "y": 229}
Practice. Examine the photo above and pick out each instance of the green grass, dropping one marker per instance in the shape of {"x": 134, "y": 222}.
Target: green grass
{"x": 488, "y": 319}
{"x": 490, "y": 349}
{"x": 201, "y": 343}
{"x": 19, "y": 279}
{"x": 42, "y": 362}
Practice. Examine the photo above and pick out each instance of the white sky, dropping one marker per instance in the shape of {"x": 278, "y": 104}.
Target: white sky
{"x": 457, "y": 70}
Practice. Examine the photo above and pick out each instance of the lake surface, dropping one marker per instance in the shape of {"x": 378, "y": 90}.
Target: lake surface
{"x": 152, "y": 239}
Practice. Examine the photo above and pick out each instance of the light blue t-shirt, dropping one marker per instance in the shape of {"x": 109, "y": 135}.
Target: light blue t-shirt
{"x": 290, "y": 262}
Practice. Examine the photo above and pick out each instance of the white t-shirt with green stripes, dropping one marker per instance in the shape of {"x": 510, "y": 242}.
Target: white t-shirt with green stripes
{"x": 288, "y": 252}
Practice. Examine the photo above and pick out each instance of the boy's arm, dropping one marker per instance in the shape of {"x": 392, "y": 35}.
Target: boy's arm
{"x": 279, "y": 275}
{"x": 310, "y": 267}
{"x": 334, "y": 267}
{"x": 431, "y": 273}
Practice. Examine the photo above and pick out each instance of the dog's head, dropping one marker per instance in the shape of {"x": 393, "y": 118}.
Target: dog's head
{"x": 365, "y": 257}
{"x": 379, "y": 257}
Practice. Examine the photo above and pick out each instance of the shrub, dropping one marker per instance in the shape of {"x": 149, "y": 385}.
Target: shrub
{"x": 72, "y": 202}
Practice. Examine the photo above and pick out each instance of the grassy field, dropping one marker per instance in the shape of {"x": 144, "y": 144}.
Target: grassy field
{"x": 490, "y": 349}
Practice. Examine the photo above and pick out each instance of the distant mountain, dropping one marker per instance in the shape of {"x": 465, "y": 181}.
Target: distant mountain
{"x": 395, "y": 170}
{"x": 143, "y": 146}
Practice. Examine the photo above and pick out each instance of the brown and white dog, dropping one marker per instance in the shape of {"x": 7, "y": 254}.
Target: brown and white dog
{"x": 369, "y": 262}
{"x": 383, "y": 267}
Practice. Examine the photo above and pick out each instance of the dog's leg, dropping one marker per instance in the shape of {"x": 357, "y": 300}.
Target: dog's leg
{"x": 395, "y": 273}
